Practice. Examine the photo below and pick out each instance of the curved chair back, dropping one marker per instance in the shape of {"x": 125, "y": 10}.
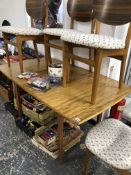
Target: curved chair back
{"x": 36, "y": 9}
{"x": 113, "y": 12}
{"x": 80, "y": 10}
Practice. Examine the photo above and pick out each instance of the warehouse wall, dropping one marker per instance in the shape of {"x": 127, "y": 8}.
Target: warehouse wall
{"x": 14, "y": 11}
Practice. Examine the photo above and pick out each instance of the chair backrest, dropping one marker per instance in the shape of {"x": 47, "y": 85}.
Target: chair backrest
{"x": 79, "y": 10}
{"x": 36, "y": 9}
{"x": 113, "y": 12}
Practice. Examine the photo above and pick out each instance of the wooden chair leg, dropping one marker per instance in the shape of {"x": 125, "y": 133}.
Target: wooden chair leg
{"x": 48, "y": 59}
{"x": 66, "y": 60}
{"x": 72, "y": 62}
{"x": 86, "y": 162}
{"x": 97, "y": 68}
{"x": 69, "y": 64}
{"x": 122, "y": 71}
{"x": 7, "y": 53}
{"x": 91, "y": 55}
{"x": 19, "y": 46}
{"x": 36, "y": 51}
{"x": 6, "y": 48}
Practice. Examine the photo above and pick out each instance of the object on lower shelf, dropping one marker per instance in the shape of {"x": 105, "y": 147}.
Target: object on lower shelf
{"x": 35, "y": 110}
{"x": 29, "y": 101}
{"x": 46, "y": 138}
{"x": 26, "y": 125}
{"x": 43, "y": 118}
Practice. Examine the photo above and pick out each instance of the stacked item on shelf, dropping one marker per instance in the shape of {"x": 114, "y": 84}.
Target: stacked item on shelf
{"x": 27, "y": 125}
{"x": 35, "y": 114}
{"x": 46, "y": 138}
{"x": 39, "y": 84}
{"x": 35, "y": 81}
{"x": 28, "y": 75}
{"x": 55, "y": 73}
{"x": 35, "y": 110}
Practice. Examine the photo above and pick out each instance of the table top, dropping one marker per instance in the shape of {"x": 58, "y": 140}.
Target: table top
{"x": 72, "y": 102}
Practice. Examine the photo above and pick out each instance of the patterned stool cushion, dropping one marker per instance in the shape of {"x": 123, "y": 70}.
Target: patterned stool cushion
{"x": 110, "y": 140}
{"x": 20, "y": 31}
{"x": 58, "y": 31}
{"x": 94, "y": 40}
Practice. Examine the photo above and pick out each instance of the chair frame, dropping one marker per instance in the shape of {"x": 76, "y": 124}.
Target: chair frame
{"x": 87, "y": 160}
{"x": 49, "y": 45}
{"x": 22, "y": 38}
{"x": 119, "y": 54}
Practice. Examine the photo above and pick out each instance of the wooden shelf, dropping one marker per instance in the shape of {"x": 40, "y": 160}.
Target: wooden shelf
{"x": 72, "y": 102}
{"x": 53, "y": 148}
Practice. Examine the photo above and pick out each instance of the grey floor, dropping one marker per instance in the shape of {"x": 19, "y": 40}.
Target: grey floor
{"x": 18, "y": 156}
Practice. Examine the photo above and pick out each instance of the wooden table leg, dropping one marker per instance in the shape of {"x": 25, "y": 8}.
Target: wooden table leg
{"x": 18, "y": 99}
{"x": 60, "y": 137}
{"x": 99, "y": 118}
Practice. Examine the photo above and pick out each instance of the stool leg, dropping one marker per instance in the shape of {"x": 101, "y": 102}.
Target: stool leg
{"x": 86, "y": 162}
{"x": 19, "y": 46}
{"x": 36, "y": 51}
{"x": 97, "y": 68}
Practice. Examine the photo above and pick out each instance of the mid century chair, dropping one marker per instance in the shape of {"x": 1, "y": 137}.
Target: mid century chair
{"x": 80, "y": 11}
{"x": 110, "y": 140}
{"x": 36, "y": 10}
{"x": 110, "y": 12}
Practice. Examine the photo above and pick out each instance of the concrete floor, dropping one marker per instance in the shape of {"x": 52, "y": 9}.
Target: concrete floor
{"x": 18, "y": 156}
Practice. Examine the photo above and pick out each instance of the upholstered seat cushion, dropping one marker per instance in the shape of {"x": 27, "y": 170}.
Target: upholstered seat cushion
{"x": 20, "y": 30}
{"x": 59, "y": 31}
{"x": 110, "y": 140}
{"x": 93, "y": 40}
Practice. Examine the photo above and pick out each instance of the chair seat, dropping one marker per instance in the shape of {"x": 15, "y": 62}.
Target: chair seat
{"x": 110, "y": 140}
{"x": 21, "y": 30}
{"x": 58, "y": 31}
{"x": 94, "y": 40}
